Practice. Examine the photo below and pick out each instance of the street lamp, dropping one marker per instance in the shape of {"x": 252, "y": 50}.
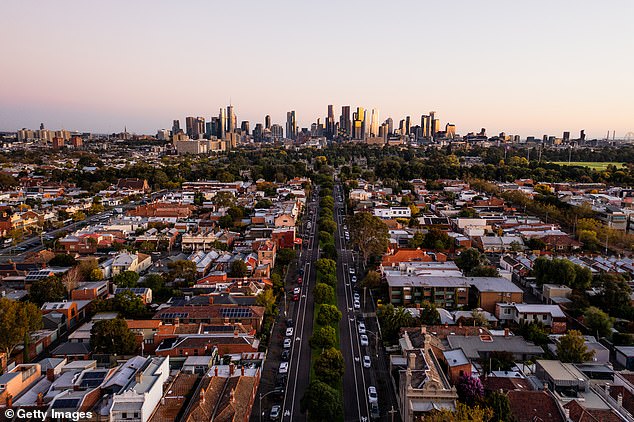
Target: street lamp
{"x": 261, "y": 397}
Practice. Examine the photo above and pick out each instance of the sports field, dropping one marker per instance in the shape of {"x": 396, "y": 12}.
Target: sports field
{"x": 593, "y": 165}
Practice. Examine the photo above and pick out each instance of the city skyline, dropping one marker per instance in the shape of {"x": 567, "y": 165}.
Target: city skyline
{"x": 523, "y": 69}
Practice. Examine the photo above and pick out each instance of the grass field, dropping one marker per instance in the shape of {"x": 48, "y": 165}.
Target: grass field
{"x": 593, "y": 165}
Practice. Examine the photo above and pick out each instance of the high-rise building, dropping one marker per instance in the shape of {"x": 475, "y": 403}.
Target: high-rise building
{"x": 276, "y": 132}
{"x": 450, "y": 130}
{"x": 566, "y": 136}
{"x": 199, "y": 129}
{"x": 435, "y": 126}
{"x": 401, "y": 127}
{"x": 345, "y": 125}
{"x": 190, "y": 124}
{"x": 291, "y": 125}
{"x": 41, "y": 126}
{"x": 358, "y": 124}
{"x": 267, "y": 122}
{"x": 374, "y": 123}
{"x": 244, "y": 127}
{"x": 222, "y": 124}
{"x": 424, "y": 125}
{"x": 408, "y": 125}
{"x": 258, "y": 132}
{"x": 176, "y": 127}
{"x": 214, "y": 126}
{"x": 231, "y": 119}
{"x": 390, "y": 126}
{"x": 330, "y": 122}
{"x": 582, "y": 135}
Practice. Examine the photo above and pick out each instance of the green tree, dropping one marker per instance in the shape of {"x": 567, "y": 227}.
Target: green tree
{"x": 328, "y": 315}
{"x": 598, "y": 322}
{"x": 79, "y": 216}
{"x": 17, "y": 321}
{"x": 369, "y": 234}
{"x": 285, "y": 256}
{"x": 50, "y": 289}
{"x": 112, "y": 336}
{"x": 501, "y": 406}
{"x": 329, "y": 251}
{"x": 372, "y": 280}
{"x": 392, "y": 319}
{"x": 329, "y": 366}
{"x": 469, "y": 259}
{"x": 615, "y": 293}
{"x": 95, "y": 275}
{"x": 325, "y": 237}
{"x": 572, "y": 348}
{"x": 324, "y": 293}
{"x": 129, "y": 305}
{"x": 326, "y": 266}
{"x": 266, "y": 298}
{"x": 323, "y": 403}
{"x": 437, "y": 239}
{"x": 324, "y": 338}
{"x": 484, "y": 271}
{"x": 182, "y": 269}
{"x": 429, "y": 314}
{"x": 223, "y": 199}
{"x": 327, "y": 224}
{"x": 238, "y": 269}
{"x": 62, "y": 260}
{"x": 126, "y": 279}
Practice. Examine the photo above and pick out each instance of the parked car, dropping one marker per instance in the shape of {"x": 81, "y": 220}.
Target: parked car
{"x": 375, "y": 413}
{"x": 354, "y": 279}
{"x": 286, "y": 355}
{"x": 372, "y": 396}
{"x": 367, "y": 362}
{"x": 357, "y": 304}
{"x": 290, "y": 322}
{"x": 357, "y": 296}
{"x": 289, "y": 332}
{"x": 287, "y": 343}
{"x": 351, "y": 271}
{"x": 283, "y": 368}
{"x": 361, "y": 328}
{"x": 297, "y": 290}
{"x": 364, "y": 340}
{"x": 275, "y": 413}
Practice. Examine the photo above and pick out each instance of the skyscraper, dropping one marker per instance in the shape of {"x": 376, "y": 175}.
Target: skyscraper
{"x": 222, "y": 124}
{"x": 258, "y": 132}
{"x": 358, "y": 124}
{"x": 291, "y": 125}
{"x": 408, "y": 125}
{"x": 276, "y": 132}
{"x": 176, "y": 127}
{"x": 450, "y": 130}
{"x": 432, "y": 125}
{"x": 345, "y": 125}
{"x": 267, "y": 122}
{"x": 425, "y": 125}
{"x": 374, "y": 123}
{"x": 244, "y": 127}
{"x": 231, "y": 119}
{"x": 190, "y": 123}
{"x": 198, "y": 129}
{"x": 330, "y": 122}
{"x": 390, "y": 126}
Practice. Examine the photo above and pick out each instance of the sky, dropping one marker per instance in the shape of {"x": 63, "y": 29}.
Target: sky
{"x": 528, "y": 68}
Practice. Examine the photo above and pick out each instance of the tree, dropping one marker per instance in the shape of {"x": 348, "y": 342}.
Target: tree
{"x": 372, "y": 280}
{"x": 50, "y": 289}
{"x": 572, "y": 348}
{"x": 129, "y": 305}
{"x": 499, "y": 360}
{"x": 501, "y": 406}
{"x": 328, "y": 315}
{"x": 96, "y": 275}
{"x": 598, "y": 322}
{"x": 323, "y": 338}
{"x": 322, "y": 402}
{"x": 126, "y": 279}
{"x": 223, "y": 199}
{"x": 17, "y": 321}
{"x": 238, "y": 269}
{"x": 71, "y": 279}
{"x": 225, "y": 221}
{"x": 392, "y": 319}
{"x": 182, "y": 269}
{"x": 112, "y": 336}
{"x": 469, "y": 259}
{"x": 329, "y": 250}
{"x": 327, "y": 224}
{"x": 484, "y": 271}
{"x": 463, "y": 413}
{"x": 429, "y": 314}
{"x": 329, "y": 366}
{"x": 79, "y": 216}
{"x": 369, "y": 234}
{"x": 266, "y": 298}
{"x": 437, "y": 239}
{"x": 470, "y": 389}
{"x": 62, "y": 260}
{"x": 326, "y": 266}
{"x": 325, "y": 237}
{"x": 324, "y": 293}
{"x": 285, "y": 256}
{"x": 468, "y": 213}
{"x": 561, "y": 271}
{"x": 615, "y": 293}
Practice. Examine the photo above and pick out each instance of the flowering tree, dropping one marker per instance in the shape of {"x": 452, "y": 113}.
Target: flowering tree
{"x": 470, "y": 390}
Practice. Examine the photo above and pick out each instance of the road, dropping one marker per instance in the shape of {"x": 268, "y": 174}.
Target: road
{"x": 358, "y": 378}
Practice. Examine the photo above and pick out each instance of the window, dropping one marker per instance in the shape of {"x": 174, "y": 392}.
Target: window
{"x": 124, "y": 415}
{"x": 544, "y": 317}
{"x": 136, "y": 415}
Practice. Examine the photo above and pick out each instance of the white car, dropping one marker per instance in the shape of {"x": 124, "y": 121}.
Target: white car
{"x": 357, "y": 304}
{"x": 357, "y": 296}
{"x": 354, "y": 278}
{"x": 283, "y": 368}
{"x": 287, "y": 343}
{"x": 361, "y": 328}
{"x": 351, "y": 271}
{"x": 297, "y": 290}
{"x": 289, "y": 332}
{"x": 372, "y": 396}
{"x": 364, "y": 340}
{"x": 367, "y": 362}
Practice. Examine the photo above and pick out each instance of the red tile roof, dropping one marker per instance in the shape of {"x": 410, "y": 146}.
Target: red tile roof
{"x": 530, "y": 406}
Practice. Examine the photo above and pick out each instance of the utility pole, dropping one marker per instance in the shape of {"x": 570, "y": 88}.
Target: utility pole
{"x": 392, "y": 412}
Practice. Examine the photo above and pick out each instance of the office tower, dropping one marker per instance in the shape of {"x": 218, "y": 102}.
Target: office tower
{"x": 401, "y": 127}
{"x": 374, "y": 123}
{"x": 244, "y": 127}
{"x": 222, "y": 124}
{"x": 358, "y": 124}
{"x": 258, "y": 132}
{"x": 424, "y": 125}
{"x": 435, "y": 127}
{"x": 345, "y": 125}
{"x": 450, "y": 130}
{"x": 390, "y": 125}
{"x": 199, "y": 131}
{"x": 483, "y": 132}
{"x": 267, "y": 122}
{"x": 330, "y": 122}
{"x": 276, "y": 132}
{"x": 408, "y": 125}
{"x": 231, "y": 119}
{"x": 213, "y": 126}
{"x": 176, "y": 127}
{"x": 291, "y": 125}
{"x": 41, "y": 126}
{"x": 190, "y": 123}
{"x": 566, "y": 136}
{"x": 582, "y": 135}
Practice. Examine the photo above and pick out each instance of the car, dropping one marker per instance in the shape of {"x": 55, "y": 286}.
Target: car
{"x": 357, "y": 304}
{"x": 351, "y": 271}
{"x": 300, "y": 271}
{"x": 283, "y": 368}
{"x": 285, "y": 354}
{"x": 275, "y": 413}
{"x": 374, "y": 411}
{"x": 372, "y": 396}
{"x": 289, "y": 332}
{"x": 290, "y": 322}
{"x": 300, "y": 280}
{"x": 364, "y": 340}
{"x": 361, "y": 328}
{"x": 354, "y": 278}
{"x": 287, "y": 342}
{"x": 367, "y": 362}
{"x": 360, "y": 317}
{"x": 357, "y": 296}
{"x": 297, "y": 290}
{"x": 295, "y": 298}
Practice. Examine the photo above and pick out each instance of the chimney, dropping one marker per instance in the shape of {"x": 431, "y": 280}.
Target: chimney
{"x": 242, "y": 370}
{"x": 232, "y": 369}
{"x": 202, "y": 396}
{"x": 50, "y": 374}
{"x": 177, "y": 321}
{"x": 411, "y": 364}
{"x": 216, "y": 371}
{"x": 506, "y": 332}
{"x": 211, "y": 300}
{"x": 40, "y": 399}
{"x": 619, "y": 399}
{"x": 138, "y": 377}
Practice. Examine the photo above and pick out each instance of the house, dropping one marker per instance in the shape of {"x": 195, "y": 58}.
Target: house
{"x": 175, "y": 397}
{"x": 90, "y": 290}
{"x": 15, "y": 381}
{"x": 392, "y": 212}
{"x": 212, "y": 314}
{"x": 444, "y": 292}
{"x": 477, "y": 347}
{"x": 493, "y": 244}
{"x": 137, "y": 262}
{"x": 625, "y": 356}
{"x": 68, "y": 309}
{"x": 133, "y": 186}
{"x": 552, "y": 293}
{"x": 532, "y": 406}
{"x": 458, "y": 364}
{"x": 485, "y": 292}
{"x": 548, "y": 315}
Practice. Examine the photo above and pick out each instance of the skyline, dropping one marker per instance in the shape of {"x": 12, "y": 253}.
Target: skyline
{"x": 523, "y": 69}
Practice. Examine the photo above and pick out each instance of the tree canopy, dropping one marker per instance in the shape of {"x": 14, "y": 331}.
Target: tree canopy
{"x": 572, "y": 348}
{"x": 369, "y": 234}
{"x": 112, "y": 336}
{"x": 17, "y": 321}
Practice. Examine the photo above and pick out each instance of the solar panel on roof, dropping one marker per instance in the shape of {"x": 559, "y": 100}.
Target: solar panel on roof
{"x": 65, "y": 404}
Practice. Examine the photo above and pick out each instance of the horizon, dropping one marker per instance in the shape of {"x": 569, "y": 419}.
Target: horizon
{"x": 524, "y": 69}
